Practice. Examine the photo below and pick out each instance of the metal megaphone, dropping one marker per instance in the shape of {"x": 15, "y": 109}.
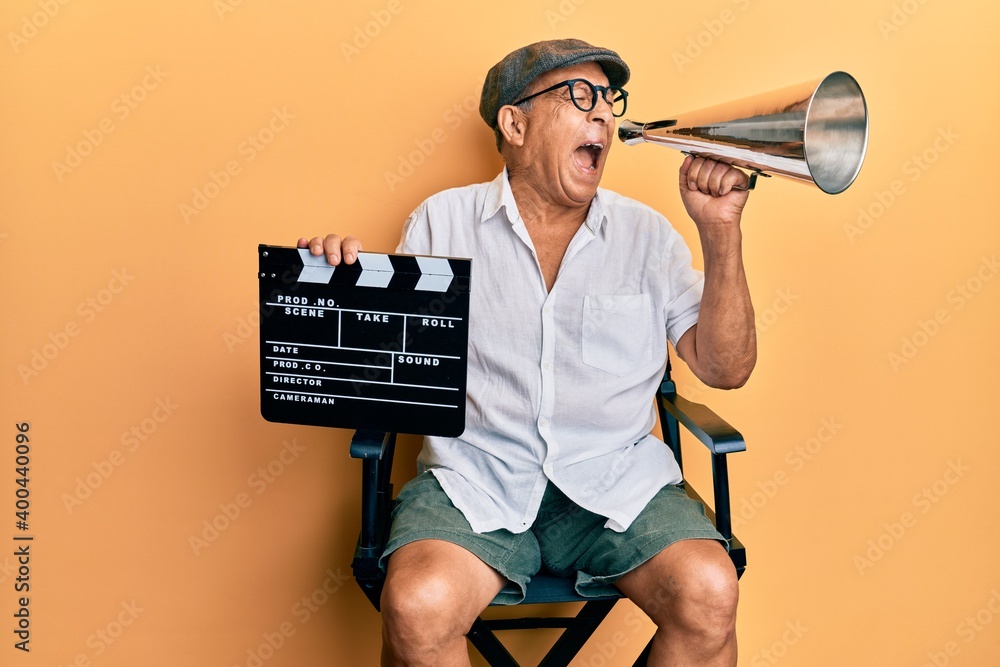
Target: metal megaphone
{"x": 815, "y": 132}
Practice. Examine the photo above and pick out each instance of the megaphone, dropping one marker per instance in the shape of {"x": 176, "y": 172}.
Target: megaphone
{"x": 815, "y": 132}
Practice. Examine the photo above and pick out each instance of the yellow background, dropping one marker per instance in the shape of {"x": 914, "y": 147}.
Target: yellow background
{"x": 129, "y": 335}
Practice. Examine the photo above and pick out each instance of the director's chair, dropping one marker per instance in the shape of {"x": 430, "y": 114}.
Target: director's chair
{"x": 376, "y": 449}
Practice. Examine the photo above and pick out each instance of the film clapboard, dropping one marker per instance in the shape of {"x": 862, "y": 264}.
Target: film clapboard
{"x": 378, "y": 344}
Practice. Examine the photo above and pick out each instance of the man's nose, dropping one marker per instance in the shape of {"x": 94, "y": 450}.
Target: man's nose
{"x": 602, "y": 110}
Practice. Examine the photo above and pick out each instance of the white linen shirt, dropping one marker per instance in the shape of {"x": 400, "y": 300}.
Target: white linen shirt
{"x": 560, "y": 382}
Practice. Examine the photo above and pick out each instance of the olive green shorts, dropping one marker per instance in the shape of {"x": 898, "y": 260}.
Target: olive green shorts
{"x": 565, "y": 538}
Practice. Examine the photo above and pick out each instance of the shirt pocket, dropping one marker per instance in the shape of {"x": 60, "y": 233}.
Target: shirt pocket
{"x": 617, "y": 332}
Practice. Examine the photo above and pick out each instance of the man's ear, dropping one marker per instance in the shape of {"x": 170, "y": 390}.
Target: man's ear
{"x": 512, "y": 124}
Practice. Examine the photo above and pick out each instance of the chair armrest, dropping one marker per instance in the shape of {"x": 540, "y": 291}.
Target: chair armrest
{"x": 715, "y": 433}
{"x": 369, "y": 444}
{"x": 711, "y": 429}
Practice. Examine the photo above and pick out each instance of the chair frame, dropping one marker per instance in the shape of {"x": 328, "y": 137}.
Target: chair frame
{"x": 376, "y": 450}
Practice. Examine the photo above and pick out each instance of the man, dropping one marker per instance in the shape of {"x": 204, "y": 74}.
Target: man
{"x": 576, "y": 292}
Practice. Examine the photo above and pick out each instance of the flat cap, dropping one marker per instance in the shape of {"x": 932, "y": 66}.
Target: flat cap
{"x": 510, "y": 77}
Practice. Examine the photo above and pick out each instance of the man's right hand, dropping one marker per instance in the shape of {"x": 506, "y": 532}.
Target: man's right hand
{"x": 334, "y": 247}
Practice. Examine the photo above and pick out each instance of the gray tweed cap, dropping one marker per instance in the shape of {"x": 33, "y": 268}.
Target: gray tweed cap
{"x": 511, "y": 76}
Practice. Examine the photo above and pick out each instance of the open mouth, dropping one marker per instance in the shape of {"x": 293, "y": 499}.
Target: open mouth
{"x": 588, "y": 154}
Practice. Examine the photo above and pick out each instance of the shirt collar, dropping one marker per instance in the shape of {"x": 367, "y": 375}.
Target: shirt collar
{"x": 500, "y": 196}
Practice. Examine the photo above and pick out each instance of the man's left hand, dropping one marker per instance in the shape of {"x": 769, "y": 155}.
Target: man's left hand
{"x": 707, "y": 191}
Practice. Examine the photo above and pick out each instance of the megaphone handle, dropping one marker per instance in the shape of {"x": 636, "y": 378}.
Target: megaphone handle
{"x": 751, "y": 184}
{"x": 754, "y": 173}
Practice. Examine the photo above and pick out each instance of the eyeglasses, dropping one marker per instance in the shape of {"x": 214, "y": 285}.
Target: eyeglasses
{"x": 584, "y": 96}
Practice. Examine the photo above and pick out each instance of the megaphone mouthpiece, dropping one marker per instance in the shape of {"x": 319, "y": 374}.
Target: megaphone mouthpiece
{"x": 632, "y": 132}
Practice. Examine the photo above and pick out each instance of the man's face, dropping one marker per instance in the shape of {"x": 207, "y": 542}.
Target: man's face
{"x": 564, "y": 148}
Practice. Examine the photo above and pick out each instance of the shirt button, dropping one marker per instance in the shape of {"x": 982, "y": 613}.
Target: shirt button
{"x": 547, "y": 366}
{"x": 544, "y": 423}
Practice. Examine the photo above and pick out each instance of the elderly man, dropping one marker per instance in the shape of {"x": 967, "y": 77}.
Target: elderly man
{"x": 577, "y": 291}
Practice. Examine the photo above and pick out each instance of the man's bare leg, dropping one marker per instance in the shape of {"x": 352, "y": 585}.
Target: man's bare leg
{"x": 434, "y": 591}
{"x": 690, "y": 591}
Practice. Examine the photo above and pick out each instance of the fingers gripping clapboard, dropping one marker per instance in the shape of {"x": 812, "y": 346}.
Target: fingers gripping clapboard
{"x": 379, "y": 344}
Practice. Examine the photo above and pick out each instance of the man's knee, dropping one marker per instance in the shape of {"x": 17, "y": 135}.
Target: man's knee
{"x": 425, "y": 597}
{"x": 707, "y": 604}
{"x": 716, "y": 587}
{"x": 435, "y": 589}
{"x": 695, "y": 585}
{"x": 422, "y": 600}
{"x": 421, "y": 618}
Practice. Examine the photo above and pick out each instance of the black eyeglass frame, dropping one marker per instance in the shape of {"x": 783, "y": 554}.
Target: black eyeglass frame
{"x": 594, "y": 89}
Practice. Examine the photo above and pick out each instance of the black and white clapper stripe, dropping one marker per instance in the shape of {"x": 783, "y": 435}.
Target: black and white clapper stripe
{"x": 372, "y": 269}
